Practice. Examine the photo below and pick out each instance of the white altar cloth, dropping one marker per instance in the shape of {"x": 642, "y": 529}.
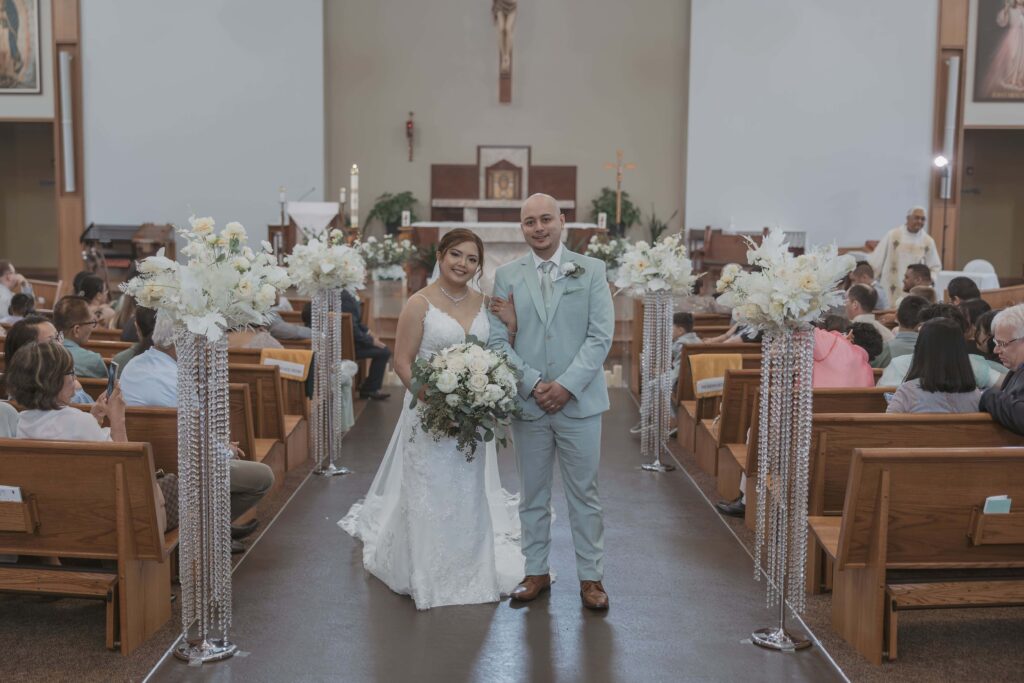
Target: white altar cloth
{"x": 983, "y": 280}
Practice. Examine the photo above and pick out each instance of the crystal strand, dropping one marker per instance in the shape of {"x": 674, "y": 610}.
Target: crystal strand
{"x": 802, "y": 423}
{"x": 646, "y": 360}
{"x": 335, "y": 374}
{"x": 762, "y": 452}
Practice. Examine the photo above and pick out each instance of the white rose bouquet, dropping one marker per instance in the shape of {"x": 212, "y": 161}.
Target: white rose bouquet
{"x": 608, "y": 250}
{"x": 662, "y": 266}
{"x": 467, "y": 392}
{"x": 385, "y": 257}
{"x": 330, "y": 264}
{"x": 224, "y": 285}
{"x": 783, "y": 290}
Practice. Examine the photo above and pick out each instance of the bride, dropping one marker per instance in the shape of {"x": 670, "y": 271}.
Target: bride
{"x": 433, "y": 526}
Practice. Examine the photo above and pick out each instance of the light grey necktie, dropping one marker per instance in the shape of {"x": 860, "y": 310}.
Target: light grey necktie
{"x": 546, "y": 285}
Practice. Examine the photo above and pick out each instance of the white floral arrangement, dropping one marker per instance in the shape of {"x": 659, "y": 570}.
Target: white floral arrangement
{"x": 783, "y": 291}
{"x": 467, "y": 392}
{"x": 385, "y": 257}
{"x": 225, "y": 284}
{"x": 660, "y": 267}
{"x": 330, "y": 264}
{"x": 607, "y": 250}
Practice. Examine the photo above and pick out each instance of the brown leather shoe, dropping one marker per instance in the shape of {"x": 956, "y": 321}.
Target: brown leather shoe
{"x": 593, "y": 595}
{"x": 530, "y": 587}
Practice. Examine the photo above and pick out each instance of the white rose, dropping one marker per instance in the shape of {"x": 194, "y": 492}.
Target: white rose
{"x": 267, "y": 246}
{"x": 479, "y": 364}
{"x": 453, "y": 400}
{"x": 267, "y": 294}
{"x": 202, "y": 226}
{"x": 457, "y": 363}
{"x": 234, "y": 230}
{"x": 478, "y": 381}
{"x": 447, "y": 382}
{"x": 240, "y": 264}
{"x": 493, "y": 393}
{"x": 438, "y": 362}
{"x": 248, "y": 253}
{"x": 244, "y": 289}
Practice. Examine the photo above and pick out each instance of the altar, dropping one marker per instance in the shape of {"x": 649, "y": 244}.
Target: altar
{"x": 503, "y": 241}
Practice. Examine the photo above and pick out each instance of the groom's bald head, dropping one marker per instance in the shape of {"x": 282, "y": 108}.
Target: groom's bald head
{"x": 542, "y": 224}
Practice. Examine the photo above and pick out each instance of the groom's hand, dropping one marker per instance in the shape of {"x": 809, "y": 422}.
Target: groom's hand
{"x": 551, "y": 396}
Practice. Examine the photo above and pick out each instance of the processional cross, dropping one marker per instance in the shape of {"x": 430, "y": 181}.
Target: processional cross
{"x": 619, "y": 169}
{"x": 504, "y": 13}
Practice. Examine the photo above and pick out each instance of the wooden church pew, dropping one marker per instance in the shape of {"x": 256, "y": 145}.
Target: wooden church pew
{"x": 1004, "y": 296}
{"x": 89, "y": 500}
{"x": 106, "y": 334}
{"x": 910, "y": 518}
{"x": 733, "y": 418}
{"x": 688, "y": 413}
{"x": 267, "y": 400}
{"x": 106, "y": 348}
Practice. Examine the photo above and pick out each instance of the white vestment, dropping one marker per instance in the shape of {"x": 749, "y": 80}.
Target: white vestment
{"x": 899, "y": 249}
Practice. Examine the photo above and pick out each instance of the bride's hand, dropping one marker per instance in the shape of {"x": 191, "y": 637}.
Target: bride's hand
{"x": 506, "y": 311}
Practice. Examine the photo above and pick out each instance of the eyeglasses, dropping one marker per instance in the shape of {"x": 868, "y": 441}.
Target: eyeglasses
{"x": 89, "y": 322}
{"x": 1004, "y": 344}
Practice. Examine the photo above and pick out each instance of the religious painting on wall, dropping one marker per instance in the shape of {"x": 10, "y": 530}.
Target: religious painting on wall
{"x": 19, "y": 47}
{"x": 999, "y": 51}
{"x": 503, "y": 181}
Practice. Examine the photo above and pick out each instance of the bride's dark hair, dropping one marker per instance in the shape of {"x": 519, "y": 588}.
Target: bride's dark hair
{"x": 458, "y": 236}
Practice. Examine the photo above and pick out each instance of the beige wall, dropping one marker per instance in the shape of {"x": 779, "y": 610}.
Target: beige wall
{"x": 993, "y": 204}
{"x": 28, "y": 218}
{"x": 588, "y": 76}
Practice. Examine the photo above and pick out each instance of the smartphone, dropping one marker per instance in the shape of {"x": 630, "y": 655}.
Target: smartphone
{"x": 111, "y": 377}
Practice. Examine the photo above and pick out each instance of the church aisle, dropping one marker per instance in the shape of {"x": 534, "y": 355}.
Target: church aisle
{"x": 681, "y": 588}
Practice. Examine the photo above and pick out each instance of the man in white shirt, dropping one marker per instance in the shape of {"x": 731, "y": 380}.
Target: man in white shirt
{"x": 11, "y": 282}
{"x": 902, "y": 246}
{"x": 151, "y": 379}
{"x": 860, "y": 306}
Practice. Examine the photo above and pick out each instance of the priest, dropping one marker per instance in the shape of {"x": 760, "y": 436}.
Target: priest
{"x": 901, "y": 247}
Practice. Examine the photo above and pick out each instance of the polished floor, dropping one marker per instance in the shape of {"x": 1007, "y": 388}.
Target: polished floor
{"x": 683, "y": 599}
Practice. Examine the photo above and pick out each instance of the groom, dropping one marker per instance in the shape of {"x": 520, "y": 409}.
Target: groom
{"x": 565, "y": 322}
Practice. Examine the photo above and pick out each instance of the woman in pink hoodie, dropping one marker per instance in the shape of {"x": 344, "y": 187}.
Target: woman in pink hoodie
{"x": 840, "y": 363}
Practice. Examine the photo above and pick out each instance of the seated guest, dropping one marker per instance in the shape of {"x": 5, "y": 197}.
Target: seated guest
{"x": 41, "y": 379}
{"x": 8, "y": 421}
{"x": 839, "y": 363}
{"x": 985, "y": 374}
{"x": 864, "y": 274}
{"x": 940, "y": 378}
{"x": 972, "y": 310}
{"x": 11, "y": 282}
{"x": 917, "y": 275}
{"x": 279, "y": 329}
{"x": 906, "y": 334}
{"x": 93, "y": 289}
{"x": 35, "y": 329}
{"x": 682, "y": 332}
{"x": 307, "y": 316}
{"x": 926, "y": 292}
{"x": 151, "y": 379}
{"x": 252, "y": 338}
{"x": 836, "y": 323}
{"x": 144, "y": 321}
{"x": 983, "y": 336}
{"x": 367, "y": 346}
{"x": 1006, "y": 404}
{"x": 961, "y": 289}
{"x": 860, "y": 308}
{"x": 866, "y": 336}
{"x": 75, "y": 321}
{"x": 21, "y": 305}
{"x": 125, "y": 307}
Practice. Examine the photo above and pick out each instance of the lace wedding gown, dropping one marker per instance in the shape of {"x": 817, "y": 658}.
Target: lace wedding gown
{"x": 434, "y": 526}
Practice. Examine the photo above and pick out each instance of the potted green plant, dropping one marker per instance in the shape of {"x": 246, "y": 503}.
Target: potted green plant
{"x": 389, "y": 207}
{"x": 656, "y": 226}
{"x": 605, "y": 203}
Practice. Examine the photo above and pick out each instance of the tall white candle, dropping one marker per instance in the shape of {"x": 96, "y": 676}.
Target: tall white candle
{"x": 281, "y": 194}
{"x": 341, "y": 196}
{"x": 354, "y": 199}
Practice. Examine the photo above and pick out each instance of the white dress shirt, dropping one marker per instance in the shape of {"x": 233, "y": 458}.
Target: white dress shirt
{"x": 150, "y": 379}
{"x": 556, "y": 258}
{"x": 64, "y": 424}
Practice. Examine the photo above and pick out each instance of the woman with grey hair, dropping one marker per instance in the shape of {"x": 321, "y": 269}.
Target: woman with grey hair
{"x": 1006, "y": 404}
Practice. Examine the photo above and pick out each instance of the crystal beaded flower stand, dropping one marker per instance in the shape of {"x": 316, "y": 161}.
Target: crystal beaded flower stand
{"x": 656, "y": 391}
{"x": 327, "y": 405}
{"x": 204, "y": 498}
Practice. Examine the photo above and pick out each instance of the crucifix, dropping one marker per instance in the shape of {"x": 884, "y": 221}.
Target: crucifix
{"x": 619, "y": 168}
{"x": 504, "y": 14}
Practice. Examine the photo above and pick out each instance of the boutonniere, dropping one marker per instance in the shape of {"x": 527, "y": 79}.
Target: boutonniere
{"x": 571, "y": 269}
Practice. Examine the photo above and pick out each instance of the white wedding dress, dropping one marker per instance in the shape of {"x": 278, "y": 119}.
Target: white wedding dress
{"x": 434, "y": 526}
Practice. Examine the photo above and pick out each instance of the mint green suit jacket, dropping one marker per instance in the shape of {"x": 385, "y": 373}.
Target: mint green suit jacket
{"x": 567, "y": 341}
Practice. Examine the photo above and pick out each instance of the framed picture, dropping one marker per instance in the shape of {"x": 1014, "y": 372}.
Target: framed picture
{"x": 999, "y": 51}
{"x": 20, "y": 64}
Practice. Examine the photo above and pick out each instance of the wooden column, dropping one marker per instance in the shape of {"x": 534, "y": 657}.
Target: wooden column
{"x": 952, "y": 42}
{"x": 70, "y": 205}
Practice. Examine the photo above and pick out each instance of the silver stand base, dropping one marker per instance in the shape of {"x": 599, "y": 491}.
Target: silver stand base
{"x": 657, "y": 466}
{"x": 205, "y": 650}
{"x": 776, "y": 638}
{"x": 331, "y": 471}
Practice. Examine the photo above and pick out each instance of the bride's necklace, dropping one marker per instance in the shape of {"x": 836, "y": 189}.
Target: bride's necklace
{"x": 454, "y": 299}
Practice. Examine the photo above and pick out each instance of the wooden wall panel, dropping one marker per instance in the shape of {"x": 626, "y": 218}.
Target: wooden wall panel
{"x": 70, "y": 205}
{"x": 953, "y": 23}
{"x": 454, "y": 181}
{"x": 557, "y": 181}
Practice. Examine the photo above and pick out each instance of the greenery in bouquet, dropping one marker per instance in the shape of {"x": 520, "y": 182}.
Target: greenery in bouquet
{"x": 330, "y": 264}
{"x": 225, "y": 284}
{"x": 782, "y": 290}
{"x": 609, "y": 250}
{"x": 661, "y": 266}
{"x": 466, "y": 392}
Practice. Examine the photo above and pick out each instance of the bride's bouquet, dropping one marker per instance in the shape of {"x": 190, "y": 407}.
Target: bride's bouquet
{"x": 466, "y": 392}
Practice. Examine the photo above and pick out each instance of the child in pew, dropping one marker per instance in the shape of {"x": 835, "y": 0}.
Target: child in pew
{"x": 41, "y": 379}
{"x": 75, "y": 322}
{"x": 21, "y": 306}
{"x": 940, "y": 378}
{"x": 682, "y": 335}
{"x": 40, "y": 330}
{"x": 94, "y": 290}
